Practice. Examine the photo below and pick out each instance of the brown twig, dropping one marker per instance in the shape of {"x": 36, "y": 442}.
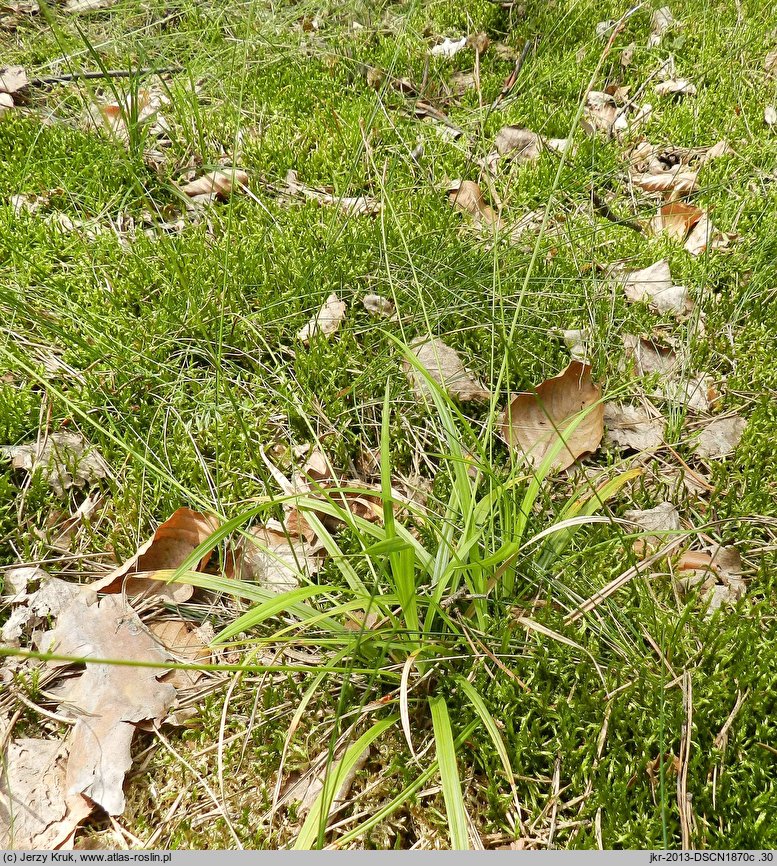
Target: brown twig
{"x": 101, "y": 73}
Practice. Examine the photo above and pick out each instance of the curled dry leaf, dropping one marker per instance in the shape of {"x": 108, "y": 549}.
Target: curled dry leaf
{"x": 170, "y": 546}
{"x": 216, "y": 184}
{"x": 326, "y": 321}
{"x": 661, "y": 22}
{"x": 377, "y": 305}
{"x": 108, "y": 700}
{"x": 524, "y": 145}
{"x": 467, "y": 196}
{"x": 274, "y": 558}
{"x": 36, "y": 810}
{"x": 446, "y": 368}
{"x": 577, "y": 342}
{"x": 634, "y": 427}
{"x": 602, "y": 113}
{"x": 533, "y": 421}
{"x": 186, "y": 643}
{"x": 677, "y": 181}
{"x": 720, "y": 437}
{"x": 449, "y": 47}
{"x": 361, "y": 205}
{"x": 675, "y": 87}
{"x": 143, "y": 107}
{"x": 716, "y": 573}
{"x": 33, "y": 609}
{"x": 78, "y": 7}
{"x": 650, "y": 356}
{"x": 654, "y": 286}
{"x": 687, "y": 223}
{"x": 12, "y": 79}
{"x": 65, "y": 459}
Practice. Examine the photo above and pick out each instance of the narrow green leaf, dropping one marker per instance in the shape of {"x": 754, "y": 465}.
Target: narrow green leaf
{"x": 449, "y": 774}
{"x": 319, "y": 811}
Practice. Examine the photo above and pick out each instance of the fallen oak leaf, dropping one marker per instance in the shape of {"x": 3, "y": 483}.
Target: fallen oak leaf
{"x": 326, "y": 321}
{"x": 377, "y": 305}
{"x": 467, "y": 196}
{"x": 170, "y": 546}
{"x": 661, "y": 22}
{"x": 65, "y": 459}
{"x": 272, "y": 557}
{"x": 361, "y": 205}
{"x": 445, "y": 367}
{"x": 36, "y": 811}
{"x": 109, "y": 699}
{"x": 533, "y": 421}
{"x": 12, "y": 79}
{"x": 185, "y": 643}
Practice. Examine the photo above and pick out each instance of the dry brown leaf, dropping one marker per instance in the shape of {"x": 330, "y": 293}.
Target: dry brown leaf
{"x": 715, "y": 572}
{"x": 361, "y": 205}
{"x": 603, "y": 113}
{"x": 654, "y": 286}
{"x": 274, "y": 558}
{"x": 521, "y": 144}
{"x": 33, "y": 609}
{"x": 676, "y": 180}
{"x": 650, "y": 356}
{"x": 65, "y": 459}
{"x": 634, "y": 427}
{"x": 377, "y": 305}
{"x": 661, "y": 22}
{"x": 107, "y": 699}
{"x": 170, "y": 546}
{"x": 185, "y": 643}
{"x": 326, "y": 321}
{"x": 446, "y": 368}
{"x": 675, "y": 87}
{"x": 532, "y": 421}
{"x": 6, "y": 103}
{"x": 12, "y": 80}
{"x": 461, "y": 82}
{"x": 676, "y": 219}
{"x": 720, "y": 437}
{"x": 143, "y": 107}
{"x": 36, "y": 812}
{"x": 664, "y": 518}
{"x": 216, "y": 184}
{"x": 704, "y": 236}
{"x": 770, "y": 62}
{"x": 467, "y": 196}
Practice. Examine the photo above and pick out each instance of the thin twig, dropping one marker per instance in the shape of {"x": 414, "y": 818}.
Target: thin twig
{"x": 100, "y": 73}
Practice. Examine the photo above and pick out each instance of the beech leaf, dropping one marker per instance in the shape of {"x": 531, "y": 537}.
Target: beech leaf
{"x": 532, "y": 421}
{"x": 654, "y": 286}
{"x": 633, "y": 427}
{"x": 109, "y": 699}
{"x": 721, "y": 436}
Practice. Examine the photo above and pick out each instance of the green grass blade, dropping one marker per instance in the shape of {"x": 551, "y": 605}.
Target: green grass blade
{"x": 319, "y": 812}
{"x": 449, "y": 773}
